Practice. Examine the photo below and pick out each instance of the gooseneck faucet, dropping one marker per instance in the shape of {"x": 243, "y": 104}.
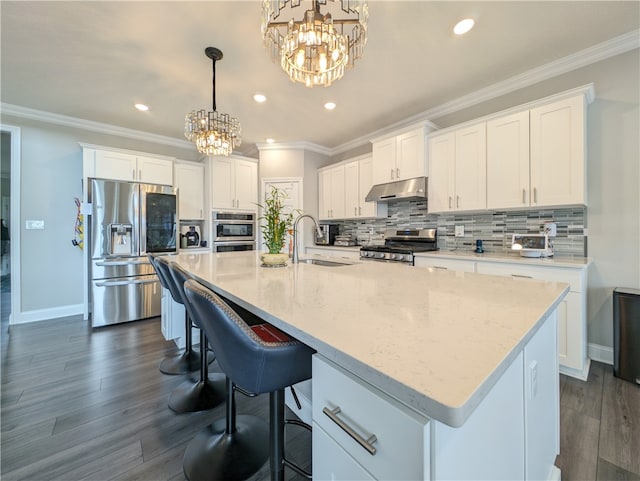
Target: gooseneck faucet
{"x": 295, "y": 259}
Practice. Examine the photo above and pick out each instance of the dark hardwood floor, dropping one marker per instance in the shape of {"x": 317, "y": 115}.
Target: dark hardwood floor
{"x": 91, "y": 404}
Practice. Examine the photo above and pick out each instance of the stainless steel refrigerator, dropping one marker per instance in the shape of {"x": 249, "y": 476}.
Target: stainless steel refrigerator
{"x": 128, "y": 221}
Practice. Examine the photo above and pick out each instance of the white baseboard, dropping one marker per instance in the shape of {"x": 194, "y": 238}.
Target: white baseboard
{"x": 600, "y": 353}
{"x": 46, "y": 314}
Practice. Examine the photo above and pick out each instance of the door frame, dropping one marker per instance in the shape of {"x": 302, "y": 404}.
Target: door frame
{"x": 16, "y": 140}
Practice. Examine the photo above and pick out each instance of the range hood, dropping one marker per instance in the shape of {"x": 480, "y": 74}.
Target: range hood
{"x": 401, "y": 190}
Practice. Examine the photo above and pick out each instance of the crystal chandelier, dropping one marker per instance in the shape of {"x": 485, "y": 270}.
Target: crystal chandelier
{"x": 316, "y": 49}
{"x": 213, "y": 133}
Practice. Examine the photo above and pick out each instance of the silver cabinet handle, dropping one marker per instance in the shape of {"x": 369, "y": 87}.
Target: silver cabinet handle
{"x": 392, "y": 173}
{"x": 355, "y": 211}
{"x": 449, "y": 202}
{"x": 133, "y": 174}
{"x": 140, "y": 174}
{"x": 441, "y": 267}
{"x": 524, "y": 193}
{"x": 535, "y": 195}
{"x": 521, "y": 276}
{"x": 359, "y": 210}
{"x": 365, "y": 443}
{"x": 121, "y": 263}
{"x": 457, "y": 201}
{"x": 397, "y": 172}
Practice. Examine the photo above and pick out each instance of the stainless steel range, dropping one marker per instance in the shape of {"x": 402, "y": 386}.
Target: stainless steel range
{"x": 400, "y": 245}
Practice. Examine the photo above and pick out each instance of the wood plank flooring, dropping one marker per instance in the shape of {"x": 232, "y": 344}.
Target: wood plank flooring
{"x": 83, "y": 404}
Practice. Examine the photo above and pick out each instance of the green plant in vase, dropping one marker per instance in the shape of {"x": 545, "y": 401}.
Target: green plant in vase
{"x": 276, "y": 223}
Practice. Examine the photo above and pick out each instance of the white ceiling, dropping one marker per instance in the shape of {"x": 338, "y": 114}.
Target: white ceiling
{"x": 94, "y": 60}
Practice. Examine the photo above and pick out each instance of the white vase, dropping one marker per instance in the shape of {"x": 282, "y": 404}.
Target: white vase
{"x": 274, "y": 260}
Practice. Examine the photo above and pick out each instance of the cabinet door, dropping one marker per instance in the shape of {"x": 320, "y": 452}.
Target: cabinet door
{"x": 246, "y": 184}
{"x": 367, "y": 209}
{"x": 441, "y": 172}
{"x": 384, "y": 161}
{"x": 471, "y": 168}
{"x": 508, "y": 161}
{"x": 222, "y": 183}
{"x": 410, "y": 155}
{"x": 558, "y": 153}
{"x": 115, "y": 165}
{"x": 337, "y": 464}
{"x": 352, "y": 194}
{"x": 324, "y": 194}
{"x": 189, "y": 179}
{"x": 152, "y": 170}
{"x": 571, "y": 350}
{"x": 459, "y": 265}
{"x": 337, "y": 193}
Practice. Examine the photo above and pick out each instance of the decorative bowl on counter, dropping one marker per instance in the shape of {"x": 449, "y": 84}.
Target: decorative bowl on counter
{"x": 274, "y": 260}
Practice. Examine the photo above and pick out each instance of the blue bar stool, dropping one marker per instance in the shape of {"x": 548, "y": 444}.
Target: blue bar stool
{"x": 256, "y": 359}
{"x": 206, "y": 392}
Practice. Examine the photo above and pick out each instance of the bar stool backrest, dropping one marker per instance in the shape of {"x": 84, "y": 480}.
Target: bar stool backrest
{"x": 161, "y": 278}
{"x": 252, "y": 363}
{"x": 176, "y": 291}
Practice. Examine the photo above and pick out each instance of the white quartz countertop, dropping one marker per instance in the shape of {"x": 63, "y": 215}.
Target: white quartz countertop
{"x": 556, "y": 261}
{"x": 437, "y": 341}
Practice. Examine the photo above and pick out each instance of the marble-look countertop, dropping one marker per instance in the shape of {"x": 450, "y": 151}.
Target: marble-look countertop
{"x": 556, "y": 261}
{"x": 436, "y": 341}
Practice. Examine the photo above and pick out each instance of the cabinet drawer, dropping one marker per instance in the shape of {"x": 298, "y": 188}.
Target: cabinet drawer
{"x": 572, "y": 277}
{"x": 339, "y": 465}
{"x": 401, "y": 435}
{"x": 451, "y": 264}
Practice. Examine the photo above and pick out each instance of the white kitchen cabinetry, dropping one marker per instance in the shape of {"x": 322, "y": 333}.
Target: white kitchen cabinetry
{"x": 400, "y": 157}
{"x": 572, "y": 312}
{"x": 457, "y": 170}
{"x": 331, "y": 191}
{"x": 340, "y": 403}
{"x": 189, "y": 179}
{"x": 352, "y": 254}
{"x": 460, "y": 265}
{"x": 558, "y": 157}
{"x": 126, "y": 166}
{"x": 358, "y": 180}
{"x": 172, "y": 322}
{"x": 234, "y": 183}
{"x": 508, "y": 183}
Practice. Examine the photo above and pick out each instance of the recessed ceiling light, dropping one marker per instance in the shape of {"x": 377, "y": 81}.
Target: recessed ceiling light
{"x": 270, "y": 140}
{"x": 141, "y": 107}
{"x": 259, "y": 98}
{"x": 330, "y": 106}
{"x": 463, "y": 26}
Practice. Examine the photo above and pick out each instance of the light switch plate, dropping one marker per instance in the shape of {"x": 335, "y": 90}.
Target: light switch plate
{"x": 459, "y": 232}
{"x": 34, "y": 224}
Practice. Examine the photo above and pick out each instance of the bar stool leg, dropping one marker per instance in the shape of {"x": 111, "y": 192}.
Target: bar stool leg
{"x": 186, "y": 362}
{"x": 232, "y": 448}
{"x": 276, "y": 434}
{"x": 206, "y": 393}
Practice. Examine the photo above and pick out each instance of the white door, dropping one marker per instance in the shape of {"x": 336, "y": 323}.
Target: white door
{"x": 353, "y": 197}
{"x": 152, "y": 170}
{"x": 189, "y": 179}
{"x": 442, "y": 150}
{"x": 246, "y": 185}
{"x": 337, "y": 193}
{"x": 222, "y": 183}
{"x": 366, "y": 209}
{"x": 115, "y": 165}
{"x": 471, "y": 168}
{"x": 384, "y": 161}
{"x": 410, "y": 156}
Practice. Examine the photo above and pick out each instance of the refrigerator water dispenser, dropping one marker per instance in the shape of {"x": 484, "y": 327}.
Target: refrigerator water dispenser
{"x": 121, "y": 239}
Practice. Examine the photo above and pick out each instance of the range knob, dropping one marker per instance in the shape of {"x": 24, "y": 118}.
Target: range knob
{"x": 399, "y": 257}
{"x": 379, "y": 255}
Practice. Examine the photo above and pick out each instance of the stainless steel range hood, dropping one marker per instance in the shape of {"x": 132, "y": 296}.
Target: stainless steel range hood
{"x": 401, "y": 190}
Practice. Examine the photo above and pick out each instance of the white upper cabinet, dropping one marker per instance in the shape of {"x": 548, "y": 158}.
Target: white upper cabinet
{"x": 508, "y": 161}
{"x": 558, "y": 153}
{"x": 352, "y": 202}
{"x": 331, "y": 193}
{"x": 189, "y": 179}
{"x": 234, "y": 183}
{"x": 457, "y": 170}
{"x": 400, "y": 157}
{"x": 128, "y": 166}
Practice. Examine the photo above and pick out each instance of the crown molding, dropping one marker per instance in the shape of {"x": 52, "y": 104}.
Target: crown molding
{"x": 301, "y": 145}
{"x": 602, "y": 51}
{"x": 67, "y": 121}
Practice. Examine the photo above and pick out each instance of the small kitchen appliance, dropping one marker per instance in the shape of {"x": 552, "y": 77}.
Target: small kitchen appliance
{"x": 344, "y": 240}
{"x": 189, "y": 236}
{"x": 329, "y": 233}
{"x": 532, "y": 245}
{"x": 233, "y": 231}
{"x": 400, "y": 245}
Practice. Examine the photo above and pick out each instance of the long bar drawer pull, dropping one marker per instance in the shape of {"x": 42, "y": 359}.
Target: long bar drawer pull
{"x": 520, "y": 275}
{"x": 365, "y": 443}
{"x": 125, "y": 283}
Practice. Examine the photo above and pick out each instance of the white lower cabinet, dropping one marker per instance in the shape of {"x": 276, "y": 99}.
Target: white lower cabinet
{"x": 352, "y": 255}
{"x": 446, "y": 264}
{"x": 388, "y": 440}
{"x": 172, "y": 317}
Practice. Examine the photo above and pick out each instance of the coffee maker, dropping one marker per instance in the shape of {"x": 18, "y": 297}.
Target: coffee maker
{"x": 189, "y": 236}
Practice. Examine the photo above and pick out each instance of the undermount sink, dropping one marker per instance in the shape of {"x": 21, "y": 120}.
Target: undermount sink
{"x": 322, "y": 262}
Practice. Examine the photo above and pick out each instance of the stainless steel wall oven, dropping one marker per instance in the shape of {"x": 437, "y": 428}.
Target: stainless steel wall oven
{"x": 233, "y": 231}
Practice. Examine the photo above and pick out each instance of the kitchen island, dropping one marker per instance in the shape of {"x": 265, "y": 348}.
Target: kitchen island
{"x": 470, "y": 358}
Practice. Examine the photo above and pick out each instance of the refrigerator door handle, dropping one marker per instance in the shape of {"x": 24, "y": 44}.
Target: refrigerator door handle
{"x": 120, "y": 263}
{"x": 126, "y": 282}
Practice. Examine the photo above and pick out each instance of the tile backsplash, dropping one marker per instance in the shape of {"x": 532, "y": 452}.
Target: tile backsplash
{"x": 493, "y": 227}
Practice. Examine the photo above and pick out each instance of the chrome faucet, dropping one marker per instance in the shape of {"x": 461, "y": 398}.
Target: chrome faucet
{"x": 295, "y": 259}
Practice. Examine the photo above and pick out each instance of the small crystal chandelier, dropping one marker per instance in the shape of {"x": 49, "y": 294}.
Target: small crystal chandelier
{"x": 316, "y": 49}
{"x": 213, "y": 133}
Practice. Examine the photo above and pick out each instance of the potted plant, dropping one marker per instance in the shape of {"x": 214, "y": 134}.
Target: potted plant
{"x": 275, "y": 225}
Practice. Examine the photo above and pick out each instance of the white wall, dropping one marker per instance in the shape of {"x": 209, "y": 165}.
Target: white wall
{"x": 51, "y": 176}
{"x": 613, "y": 186}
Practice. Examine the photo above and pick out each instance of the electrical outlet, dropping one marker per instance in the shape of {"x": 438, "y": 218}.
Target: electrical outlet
{"x": 370, "y": 230}
{"x": 549, "y": 228}
{"x": 459, "y": 231}
{"x": 34, "y": 224}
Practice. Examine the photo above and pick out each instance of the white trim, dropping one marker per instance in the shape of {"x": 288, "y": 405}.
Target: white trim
{"x": 600, "y": 353}
{"x": 16, "y": 155}
{"x": 50, "y": 313}
{"x": 124, "y": 151}
{"x": 581, "y": 374}
{"x": 301, "y": 145}
{"x": 596, "y": 53}
{"x": 59, "y": 119}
